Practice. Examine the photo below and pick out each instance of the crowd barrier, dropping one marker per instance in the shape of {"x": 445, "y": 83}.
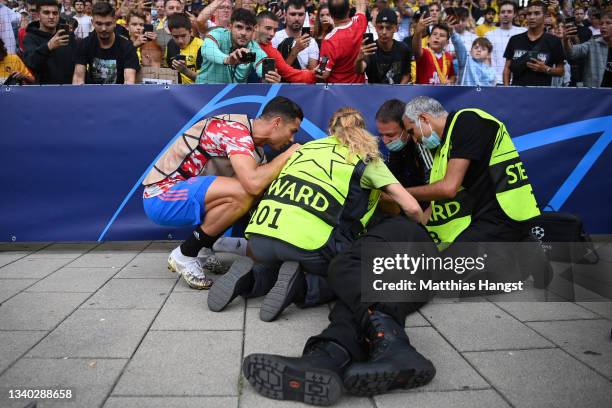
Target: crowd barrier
{"x": 73, "y": 157}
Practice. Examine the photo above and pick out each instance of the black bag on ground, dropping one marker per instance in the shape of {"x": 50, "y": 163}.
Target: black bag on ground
{"x": 563, "y": 237}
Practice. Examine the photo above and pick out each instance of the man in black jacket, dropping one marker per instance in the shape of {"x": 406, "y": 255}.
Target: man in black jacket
{"x": 49, "y": 52}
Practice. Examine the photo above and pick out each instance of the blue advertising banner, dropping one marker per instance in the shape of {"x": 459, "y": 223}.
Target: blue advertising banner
{"x": 74, "y": 157}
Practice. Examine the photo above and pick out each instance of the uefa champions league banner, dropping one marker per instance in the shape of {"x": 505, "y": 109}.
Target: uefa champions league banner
{"x": 73, "y": 158}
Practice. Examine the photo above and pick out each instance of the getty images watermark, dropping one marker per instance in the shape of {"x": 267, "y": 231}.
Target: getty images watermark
{"x": 415, "y": 272}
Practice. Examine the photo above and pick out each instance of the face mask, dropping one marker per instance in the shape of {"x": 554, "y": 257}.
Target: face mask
{"x": 432, "y": 141}
{"x": 397, "y": 144}
{"x": 154, "y": 13}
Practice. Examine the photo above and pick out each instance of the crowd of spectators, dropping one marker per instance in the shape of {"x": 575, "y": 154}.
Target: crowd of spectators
{"x": 453, "y": 42}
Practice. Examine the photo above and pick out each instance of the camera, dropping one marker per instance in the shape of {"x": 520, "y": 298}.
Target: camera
{"x": 322, "y": 65}
{"x": 247, "y": 57}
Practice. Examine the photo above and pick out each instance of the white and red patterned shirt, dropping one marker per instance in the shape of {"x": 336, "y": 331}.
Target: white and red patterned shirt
{"x": 220, "y": 139}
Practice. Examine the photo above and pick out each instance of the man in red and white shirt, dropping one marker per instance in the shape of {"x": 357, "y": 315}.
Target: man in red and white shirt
{"x": 341, "y": 46}
{"x": 176, "y": 194}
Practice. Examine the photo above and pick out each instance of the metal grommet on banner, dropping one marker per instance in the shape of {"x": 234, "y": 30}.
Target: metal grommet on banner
{"x": 7, "y": 89}
{"x": 166, "y": 87}
{"x": 478, "y": 89}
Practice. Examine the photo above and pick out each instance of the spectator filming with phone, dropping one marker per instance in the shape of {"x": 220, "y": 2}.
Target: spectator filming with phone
{"x": 183, "y": 51}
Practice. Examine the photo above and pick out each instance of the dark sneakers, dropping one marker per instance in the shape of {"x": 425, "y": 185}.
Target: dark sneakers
{"x": 393, "y": 362}
{"x": 238, "y": 280}
{"x": 315, "y": 378}
{"x": 289, "y": 287}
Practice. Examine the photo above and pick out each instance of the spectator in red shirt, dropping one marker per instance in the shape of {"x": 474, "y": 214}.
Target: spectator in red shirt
{"x": 267, "y": 25}
{"x": 341, "y": 46}
{"x": 434, "y": 66}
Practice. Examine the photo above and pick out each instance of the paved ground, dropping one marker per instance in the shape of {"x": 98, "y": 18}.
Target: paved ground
{"x": 113, "y": 325}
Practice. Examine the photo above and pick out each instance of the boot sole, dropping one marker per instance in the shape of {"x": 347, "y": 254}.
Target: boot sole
{"x": 274, "y": 377}
{"x": 369, "y": 381}
{"x": 222, "y": 292}
{"x": 272, "y": 305}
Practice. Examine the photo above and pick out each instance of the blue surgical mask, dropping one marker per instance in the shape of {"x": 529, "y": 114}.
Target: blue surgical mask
{"x": 397, "y": 144}
{"x": 153, "y": 12}
{"x": 432, "y": 141}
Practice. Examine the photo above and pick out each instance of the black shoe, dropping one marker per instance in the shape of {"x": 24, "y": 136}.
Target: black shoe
{"x": 289, "y": 287}
{"x": 393, "y": 362}
{"x": 315, "y": 378}
{"x": 238, "y": 280}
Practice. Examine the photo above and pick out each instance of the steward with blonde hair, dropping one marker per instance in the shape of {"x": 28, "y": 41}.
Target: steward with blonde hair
{"x": 320, "y": 203}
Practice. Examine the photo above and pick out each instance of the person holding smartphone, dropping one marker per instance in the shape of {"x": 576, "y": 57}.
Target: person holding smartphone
{"x": 48, "y": 51}
{"x": 534, "y": 57}
{"x": 295, "y": 41}
{"x": 183, "y": 51}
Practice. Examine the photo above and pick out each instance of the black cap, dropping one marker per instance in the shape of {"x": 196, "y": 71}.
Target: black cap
{"x": 386, "y": 15}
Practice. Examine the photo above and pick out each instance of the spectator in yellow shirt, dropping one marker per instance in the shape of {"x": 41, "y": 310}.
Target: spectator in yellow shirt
{"x": 489, "y": 23}
{"x": 183, "y": 50}
{"x": 12, "y": 66}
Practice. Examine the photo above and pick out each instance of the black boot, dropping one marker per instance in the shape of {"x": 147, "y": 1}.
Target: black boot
{"x": 393, "y": 362}
{"x": 315, "y": 378}
{"x": 238, "y": 280}
{"x": 289, "y": 287}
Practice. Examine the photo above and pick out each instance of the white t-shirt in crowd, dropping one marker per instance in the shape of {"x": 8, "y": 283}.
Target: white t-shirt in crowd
{"x": 84, "y": 27}
{"x": 499, "y": 38}
{"x": 310, "y": 52}
{"x": 468, "y": 38}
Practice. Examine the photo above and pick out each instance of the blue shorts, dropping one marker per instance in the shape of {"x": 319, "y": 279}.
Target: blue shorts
{"x": 182, "y": 204}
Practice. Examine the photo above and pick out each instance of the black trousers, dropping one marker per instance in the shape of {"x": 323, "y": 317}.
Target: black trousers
{"x": 348, "y": 317}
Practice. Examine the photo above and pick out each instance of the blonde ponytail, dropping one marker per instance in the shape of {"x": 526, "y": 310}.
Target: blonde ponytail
{"x": 349, "y": 127}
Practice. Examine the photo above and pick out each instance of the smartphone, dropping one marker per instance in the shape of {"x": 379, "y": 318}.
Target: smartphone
{"x": 570, "y": 20}
{"x": 305, "y": 30}
{"x": 369, "y": 37}
{"x": 426, "y": 14}
{"x": 533, "y": 54}
{"x": 322, "y": 65}
{"x": 247, "y": 57}
{"x": 180, "y": 57}
{"x": 148, "y": 28}
{"x": 63, "y": 26}
{"x": 451, "y": 12}
{"x": 267, "y": 65}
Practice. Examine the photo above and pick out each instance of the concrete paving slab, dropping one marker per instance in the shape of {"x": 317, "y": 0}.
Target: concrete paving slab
{"x": 147, "y": 266}
{"x": 89, "y": 380}
{"x": 131, "y": 246}
{"x": 603, "y": 309}
{"x": 22, "y": 246}
{"x": 481, "y": 326}
{"x": 130, "y": 294}
{"x": 64, "y": 250}
{"x": 195, "y": 363}
{"x": 416, "y": 319}
{"x": 594, "y": 349}
{"x": 32, "y": 268}
{"x": 74, "y": 280}
{"x": 251, "y": 399}
{"x": 10, "y": 287}
{"x": 539, "y": 311}
{"x": 11, "y": 256}
{"x": 452, "y": 371}
{"x": 15, "y": 343}
{"x": 285, "y": 336}
{"x": 188, "y": 311}
{"x": 90, "y": 333}
{"x": 38, "y": 311}
{"x": 542, "y": 378}
{"x": 162, "y": 246}
{"x": 171, "y": 402}
{"x": 103, "y": 259}
{"x": 455, "y": 399}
